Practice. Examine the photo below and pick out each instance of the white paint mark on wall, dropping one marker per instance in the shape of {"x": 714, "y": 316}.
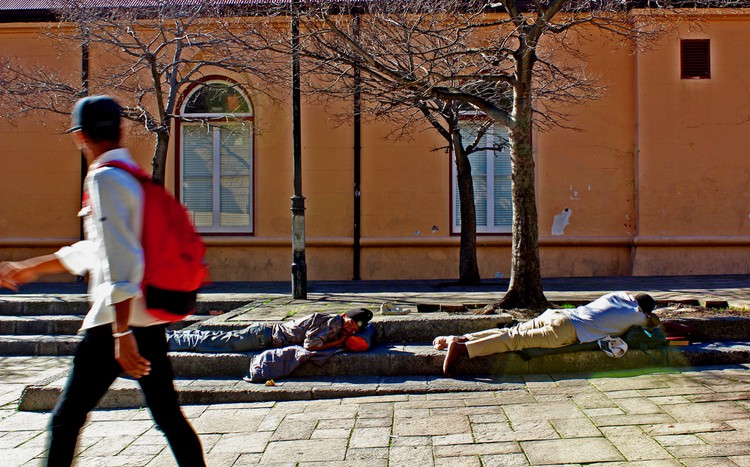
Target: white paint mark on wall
{"x": 560, "y": 221}
{"x": 574, "y": 194}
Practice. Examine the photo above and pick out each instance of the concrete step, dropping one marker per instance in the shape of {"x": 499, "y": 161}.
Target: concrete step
{"x": 37, "y": 305}
{"x": 416, "y": 328}
{"x": 54, "y": 324}
{"x": 388, "y": 369}
{"x": 64, "y": 325}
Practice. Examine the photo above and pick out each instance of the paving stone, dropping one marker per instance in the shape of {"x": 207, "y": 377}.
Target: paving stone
{"x": 592, "y": 399}
{"x": 636, "y": 406}
{"x": 342, "y": 423}
{"x": 686, "y": 428}
{"x": 653, "y": 463}
{"x": 575, "y": 428}
{"x": 431, "y": 425}
{"x": 740, "y": 434}
{"x": 373, "y": 422}
{"x": 742, "y": 461}
{"x": 410, "y": 456}
{"x": 366, "y": 453}
{"x": 710, "y": 462}
{"x": 710, "y": 450}
{"x": 336, "y": 433}
{"x": 411, "y": 441}
{"x": 294, "y": 429}
{"x": 249, "y": 442}
{"x": 532, "y": 412}
{"x": 370, "y": 437}
{"x": 112, "y": 445}
{"x": 224, "y": 421}
{"x": 707, "y": 411}
{"x": 347, "y": 463}
{"x": 570, "y": 451}
{"x": 478, "y": 449}
{"x": 119, "y": 461}
{"x": 465, "y": 461}
{"x": 447, "y": 440}
{"x": 504, "y": 460}
{"x": 634, "y": 444}
{"x": 645, "y": 419}
{"x": 678, "y": 440}
{"x": 304, "y": 451}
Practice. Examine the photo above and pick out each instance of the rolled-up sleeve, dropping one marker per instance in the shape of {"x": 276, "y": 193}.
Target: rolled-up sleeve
{"x": 78, "y": 258}
{"x": 117, "y": 212}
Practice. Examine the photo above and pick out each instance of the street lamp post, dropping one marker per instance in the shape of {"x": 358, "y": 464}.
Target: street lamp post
{"x": 299, "y": 264}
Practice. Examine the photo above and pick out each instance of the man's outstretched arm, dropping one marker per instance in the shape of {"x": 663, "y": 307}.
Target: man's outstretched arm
{"x": 16, "y": 273}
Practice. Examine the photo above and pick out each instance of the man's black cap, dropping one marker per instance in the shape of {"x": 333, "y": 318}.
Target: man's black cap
{"x": 96, "y": 116}
{"x": 361, "y": 316}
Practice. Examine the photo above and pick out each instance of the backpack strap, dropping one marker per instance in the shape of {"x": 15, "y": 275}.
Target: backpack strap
{"x": 134, "y": 170}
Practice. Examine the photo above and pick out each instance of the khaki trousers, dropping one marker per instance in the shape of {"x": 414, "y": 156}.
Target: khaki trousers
{"x": 550, "y": 330}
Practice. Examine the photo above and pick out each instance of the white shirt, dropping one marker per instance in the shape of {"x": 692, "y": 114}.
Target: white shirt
{"x": 112, "y": 252}
{"x": 610, "y": 315}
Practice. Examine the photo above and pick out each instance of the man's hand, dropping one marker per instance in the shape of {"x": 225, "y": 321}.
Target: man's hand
{"x": 16, "y": 273}
{"x": 126, "y": 354}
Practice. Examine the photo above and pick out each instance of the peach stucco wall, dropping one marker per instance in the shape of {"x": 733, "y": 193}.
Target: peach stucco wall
{"x": 654, "y": 178}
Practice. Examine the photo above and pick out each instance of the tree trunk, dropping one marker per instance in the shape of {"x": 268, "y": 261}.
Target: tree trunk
{"x": 159, "y": 161}
{"x": 525, "y": 288}
{"x": 468, "y": 269}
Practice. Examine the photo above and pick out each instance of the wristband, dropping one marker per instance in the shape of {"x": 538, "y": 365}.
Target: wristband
{"x": 117, "y": 335}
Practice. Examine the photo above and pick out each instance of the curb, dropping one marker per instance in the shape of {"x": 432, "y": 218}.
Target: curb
{"x": 412, "y": 373}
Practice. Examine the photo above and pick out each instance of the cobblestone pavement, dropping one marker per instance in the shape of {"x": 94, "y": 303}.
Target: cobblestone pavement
{"x": 694, "y": 418}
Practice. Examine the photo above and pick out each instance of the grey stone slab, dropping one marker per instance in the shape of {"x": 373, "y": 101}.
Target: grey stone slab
{"x": 241, "y": 443}
{"x": 710, "y": 450}
{"x": 634, "y": 444}
{"x": 300, "y": 429}
{"x": 370, "y": 437}
{"x": 571, "y": 451}
{"x": 304, "y": 451}
{"x": 430, "y": 425}
{"x": 477, "y": 449}
{"x": 367, "y": 454}
{"x": 686, "y": 428}
{"x": 410, "y": 456}
{"x": 707, "y": 411}
{"x": 575, "y": 428}
{"x": 505, "y": 460}
{"x": 533, "y": 412}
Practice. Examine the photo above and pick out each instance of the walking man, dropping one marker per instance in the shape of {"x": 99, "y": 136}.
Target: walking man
{"x": 119, "y": 335}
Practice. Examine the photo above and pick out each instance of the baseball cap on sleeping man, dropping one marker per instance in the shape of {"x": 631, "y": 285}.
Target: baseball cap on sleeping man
{"x": 361, "y": 316}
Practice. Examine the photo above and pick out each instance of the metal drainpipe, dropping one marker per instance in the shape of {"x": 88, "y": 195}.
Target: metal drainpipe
{"x": 357, "y": 251}
{"x": 85, "y": 91}
{"x": 636, "y": 165}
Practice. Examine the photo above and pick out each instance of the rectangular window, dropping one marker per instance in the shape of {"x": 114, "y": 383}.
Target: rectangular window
{"x": 695, "y": 57}
{"x": 491, "y": 174}
{"x": 217, "y": 176}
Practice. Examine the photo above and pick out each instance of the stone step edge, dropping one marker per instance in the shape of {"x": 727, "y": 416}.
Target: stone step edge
{"x": 124, "y": 394}
{"x": 410, "y": 369}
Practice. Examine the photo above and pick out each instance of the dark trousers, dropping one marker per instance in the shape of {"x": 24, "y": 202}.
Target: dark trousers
{"x": 94, "y": 371}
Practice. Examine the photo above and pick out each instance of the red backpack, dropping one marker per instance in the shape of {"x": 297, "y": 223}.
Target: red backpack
{"x": 173, "y": 252}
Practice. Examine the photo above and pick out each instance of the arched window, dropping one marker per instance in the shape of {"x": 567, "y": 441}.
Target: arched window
{"x": 216, "y": 158}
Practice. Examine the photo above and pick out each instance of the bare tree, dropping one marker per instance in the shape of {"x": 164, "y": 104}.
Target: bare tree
{"x": 145, "y": 55}
{"x": 517, "y": 62}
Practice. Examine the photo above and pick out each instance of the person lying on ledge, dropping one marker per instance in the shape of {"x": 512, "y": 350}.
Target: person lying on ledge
{"x": 610, "y": 315}
{"x": 317, "y": 331}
